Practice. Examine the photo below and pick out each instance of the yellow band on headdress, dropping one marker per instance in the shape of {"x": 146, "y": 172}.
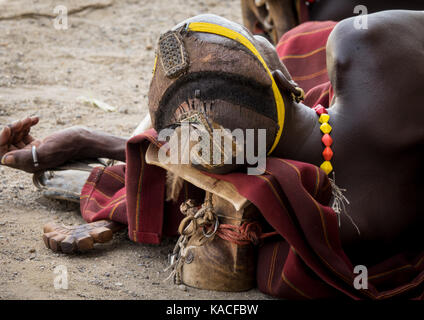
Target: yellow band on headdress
{"x": 234, "y": 35}
{"x": 231, "y": 34}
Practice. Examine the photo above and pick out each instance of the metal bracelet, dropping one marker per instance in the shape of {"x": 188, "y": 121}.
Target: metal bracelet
{"x": 34, "y": 156}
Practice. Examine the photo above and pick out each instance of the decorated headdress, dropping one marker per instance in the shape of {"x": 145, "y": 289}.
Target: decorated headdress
{"x": 231, "y": 71}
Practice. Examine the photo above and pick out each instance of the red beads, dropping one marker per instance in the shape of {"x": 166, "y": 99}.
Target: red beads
{"x": 327, "y": 140}
{"x": 327, "y": 154}
{"x": 319, "y": 109}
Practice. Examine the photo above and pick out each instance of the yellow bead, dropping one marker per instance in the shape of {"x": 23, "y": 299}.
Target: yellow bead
{"x": 325, "y": 127}
{"x": 324, "y": 118}
{"x": 327, "y": 167}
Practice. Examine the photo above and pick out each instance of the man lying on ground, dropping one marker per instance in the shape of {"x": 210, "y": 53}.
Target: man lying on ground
{"x": 372, "y": 136}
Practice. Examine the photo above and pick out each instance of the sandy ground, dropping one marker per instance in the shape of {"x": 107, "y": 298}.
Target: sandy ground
{"x": 107, "y": 54}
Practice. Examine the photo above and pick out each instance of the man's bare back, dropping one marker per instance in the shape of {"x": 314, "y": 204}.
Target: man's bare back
{"x": 378, "y": 118}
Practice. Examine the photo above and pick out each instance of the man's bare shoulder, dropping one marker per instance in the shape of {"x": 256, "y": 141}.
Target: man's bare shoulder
{"x": 383, "y": 51}
{"x": 354, "y": 36}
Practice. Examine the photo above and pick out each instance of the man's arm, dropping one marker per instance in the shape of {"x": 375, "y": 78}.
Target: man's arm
{"x": 96, "y": 144}
{"x": 76, "y": 143}
{"x": 377, "y": 73}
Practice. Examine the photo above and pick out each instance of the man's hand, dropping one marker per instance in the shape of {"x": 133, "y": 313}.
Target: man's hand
{"x": 15, "y": 139}
{"x": 75, "y": 143}
{"x": 53, "y": 151}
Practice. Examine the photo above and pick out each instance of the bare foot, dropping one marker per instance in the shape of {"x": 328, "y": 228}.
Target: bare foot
{"x": 79, "y": 238}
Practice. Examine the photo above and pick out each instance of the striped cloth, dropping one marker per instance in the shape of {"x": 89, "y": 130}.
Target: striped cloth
{"x": 308, "y": 261}
{"x": 303, "y": 51}
{"x": 134, "y": 194}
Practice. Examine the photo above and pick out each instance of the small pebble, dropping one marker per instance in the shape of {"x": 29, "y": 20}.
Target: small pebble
{"x": 182, "y": 287}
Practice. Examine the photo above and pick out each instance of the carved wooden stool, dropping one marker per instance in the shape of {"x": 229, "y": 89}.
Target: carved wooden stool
{"x": 216, "y": 248}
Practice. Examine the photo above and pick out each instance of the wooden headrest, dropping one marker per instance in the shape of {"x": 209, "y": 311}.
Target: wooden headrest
{"x": 220, "y": 188}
